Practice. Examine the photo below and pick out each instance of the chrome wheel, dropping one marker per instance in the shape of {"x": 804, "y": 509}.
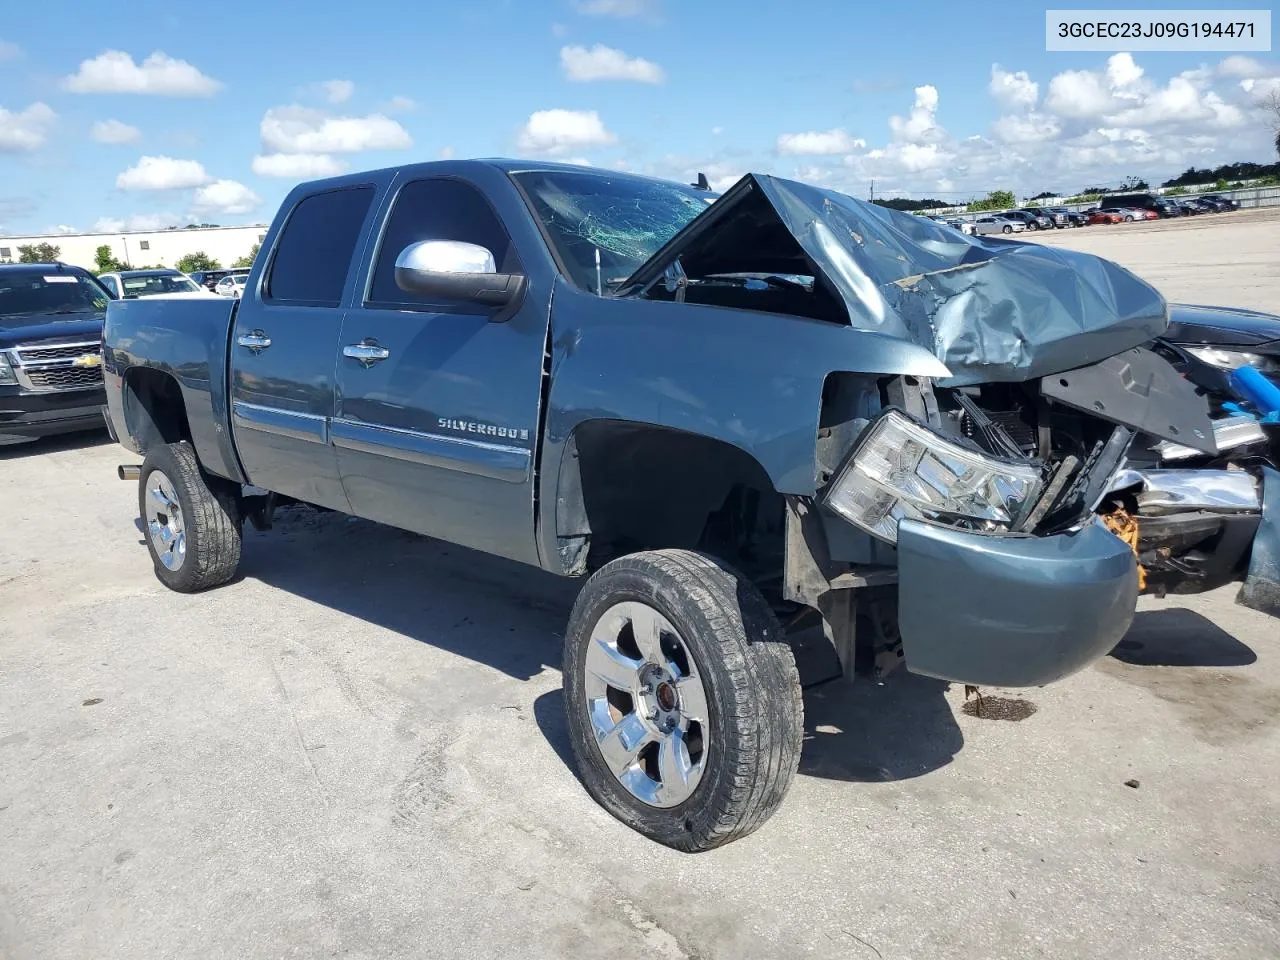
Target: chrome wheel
{"x": 647, "y": 704}
{"x": 164, "y": 521}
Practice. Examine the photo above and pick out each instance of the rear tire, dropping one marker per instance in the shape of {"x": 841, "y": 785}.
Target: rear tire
{"x": 736, "y": 739}
{"x": 191, "y": 521}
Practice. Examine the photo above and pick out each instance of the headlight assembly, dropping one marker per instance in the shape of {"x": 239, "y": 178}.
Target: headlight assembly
{"x": 901, "y": 469}
{"x": 1234, "y": 359}
{"x": 6, "y": 371}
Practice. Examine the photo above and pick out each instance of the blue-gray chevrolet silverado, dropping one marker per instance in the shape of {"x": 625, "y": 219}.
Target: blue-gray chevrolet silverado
{"x": 777, "y": 405}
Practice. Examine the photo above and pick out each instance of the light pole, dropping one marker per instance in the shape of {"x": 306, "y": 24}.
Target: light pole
{"x": 125, "y": 241}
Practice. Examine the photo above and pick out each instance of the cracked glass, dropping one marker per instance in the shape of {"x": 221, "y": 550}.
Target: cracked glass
{"x": 603, "y": 227}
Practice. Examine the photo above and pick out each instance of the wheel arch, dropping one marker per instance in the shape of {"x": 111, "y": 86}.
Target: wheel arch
{"x": 624, "y": 486}
{"x": 155, "y": 410}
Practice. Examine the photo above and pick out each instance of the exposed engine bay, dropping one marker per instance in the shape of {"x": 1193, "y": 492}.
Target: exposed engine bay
{"x": 1127, "y": 440}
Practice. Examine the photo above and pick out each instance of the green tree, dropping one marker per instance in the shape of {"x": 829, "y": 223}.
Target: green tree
{"x": 1175, "y": 192}
{"x": 105, "y": 260}
{"x": 197, "y": 261}
{"x": 995, "y": 200}
{"x": 248, "y": 258}
{"x": 38, "y": 253}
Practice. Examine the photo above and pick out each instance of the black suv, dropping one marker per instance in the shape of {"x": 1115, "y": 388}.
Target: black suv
{"x": 50, "y": 350}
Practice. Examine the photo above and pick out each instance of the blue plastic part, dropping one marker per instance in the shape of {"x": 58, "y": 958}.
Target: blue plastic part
{"x": 1257, "y": 389}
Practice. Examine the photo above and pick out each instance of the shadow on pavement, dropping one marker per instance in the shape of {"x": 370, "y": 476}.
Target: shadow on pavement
{"x": 512, "y": 617}
{"x": 872, "y": 733}
{"x": 62, "y": 441}
{"x": 1180, "y": 638}
{"x": 498, "y": 612}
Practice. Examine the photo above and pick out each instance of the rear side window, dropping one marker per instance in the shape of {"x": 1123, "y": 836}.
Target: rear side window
{"x": 436, "y": 210}
{"x": 314, "y": 252}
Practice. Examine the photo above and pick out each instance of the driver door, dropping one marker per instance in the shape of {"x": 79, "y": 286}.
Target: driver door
{"x": 438, "y": 398}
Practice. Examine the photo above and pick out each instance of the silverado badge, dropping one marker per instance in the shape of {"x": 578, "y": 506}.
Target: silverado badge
{"x": 88, "y": 360}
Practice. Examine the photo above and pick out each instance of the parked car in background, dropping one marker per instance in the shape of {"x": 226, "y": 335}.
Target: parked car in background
{"x": 1030, "y": 220}
{"x": 1224, "y": 203}
{"x": 131, "y": 284}
{"x": 1142, "y": 201}
{"x": 1047, "y": 217}
{"x": 1098, "y": 215}
{"x": 1188, "y": 209}
{"x": 998, "y": 224}
{"x": 231, "y": 285}
{"x": 50, "y": 350}
{"x": 1074, "y": 218}
{"x": 1206, "y": 206}
{"x": 209, "y": 278}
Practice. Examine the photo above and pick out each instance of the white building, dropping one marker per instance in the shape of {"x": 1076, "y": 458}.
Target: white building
{"x": 163, "y": 247}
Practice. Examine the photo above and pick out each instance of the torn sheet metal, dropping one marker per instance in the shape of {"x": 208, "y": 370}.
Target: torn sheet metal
{"x": 990, "y": 309}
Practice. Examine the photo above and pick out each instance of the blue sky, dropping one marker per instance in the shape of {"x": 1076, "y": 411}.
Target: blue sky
{"x": 137, "y": 116}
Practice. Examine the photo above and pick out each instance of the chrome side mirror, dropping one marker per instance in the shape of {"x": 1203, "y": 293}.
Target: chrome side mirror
{"x": 452, "y": 270}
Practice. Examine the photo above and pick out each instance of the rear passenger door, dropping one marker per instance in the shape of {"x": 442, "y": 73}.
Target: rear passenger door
{"x": 437, "y": 436}
{"x": 284, "y": 343}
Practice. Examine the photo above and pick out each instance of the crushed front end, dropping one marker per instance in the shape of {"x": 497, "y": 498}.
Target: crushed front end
{"x": 999, "y": 534}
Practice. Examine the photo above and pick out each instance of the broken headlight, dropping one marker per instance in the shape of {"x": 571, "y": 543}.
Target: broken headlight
{"x": 901, "y": 469}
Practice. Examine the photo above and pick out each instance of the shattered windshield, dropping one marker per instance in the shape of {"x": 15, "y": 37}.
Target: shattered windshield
{"x": 603, "y": 227}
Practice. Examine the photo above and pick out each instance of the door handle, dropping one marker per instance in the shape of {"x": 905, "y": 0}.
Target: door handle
{"x": 256, "y": 341}
{"x": 368, "y": 352}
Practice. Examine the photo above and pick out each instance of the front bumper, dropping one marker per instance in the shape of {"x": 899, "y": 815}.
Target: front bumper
{"x": 27, "y": 414}
{"x": 1011, "y": 611}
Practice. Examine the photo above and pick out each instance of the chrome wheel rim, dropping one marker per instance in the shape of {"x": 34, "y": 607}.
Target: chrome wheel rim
{"x": 647, "y": 704}
{"x": 164, "y": 521}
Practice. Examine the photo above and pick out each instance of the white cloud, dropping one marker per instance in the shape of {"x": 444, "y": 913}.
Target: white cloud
{"x": 25, "y": 130}
{"x": 617, "y": 8}
{"x": 1261, "y": 90}
{"x": 228, "y": 197}
{"x": 921, "y": 156}
{"x": 606, "y": 63}
{"x": 447, "y": 153}
{"x": 818, "y": 143}
{"x": 296, "y": 129}
{"x": 297, "y": 166}
{"x": 113, "y": 131}
{"x": 138, "y": 223}
{"x": 115, "y": 72}
{"x": 1079, "y": 93}
{"x": 1240, "y": 66}
{"x": 62, "y": 230}
{"x": 559, "y": 132}
{"x": 9, "y": 51}
{"x": 1013, "y": 89}
{"x": 400, "y": 104}
{"x": 716, "y": 131}
{"x": 1122, "y": 71}
{"x": 1026, "y": 128}
{"x": 337, "y": 91}
{"x": 920, "y": 126}
{"x": 163, "y": 173}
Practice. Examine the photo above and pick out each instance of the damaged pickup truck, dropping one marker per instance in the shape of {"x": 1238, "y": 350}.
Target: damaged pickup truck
{"x": 778, "y": 406}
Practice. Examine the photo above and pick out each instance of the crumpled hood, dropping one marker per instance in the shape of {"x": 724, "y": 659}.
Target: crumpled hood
{"x": 989, "y": 309}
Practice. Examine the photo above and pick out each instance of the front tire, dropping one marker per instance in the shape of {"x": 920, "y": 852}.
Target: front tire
{"x": 1006, "y": 229}
{"x": 191, "y": 521}
{"x": 682, "y": 698}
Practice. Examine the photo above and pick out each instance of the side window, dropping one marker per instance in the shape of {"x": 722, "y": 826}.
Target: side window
{"x": 436, "y": 210}
{"x": 314, "y": 251}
